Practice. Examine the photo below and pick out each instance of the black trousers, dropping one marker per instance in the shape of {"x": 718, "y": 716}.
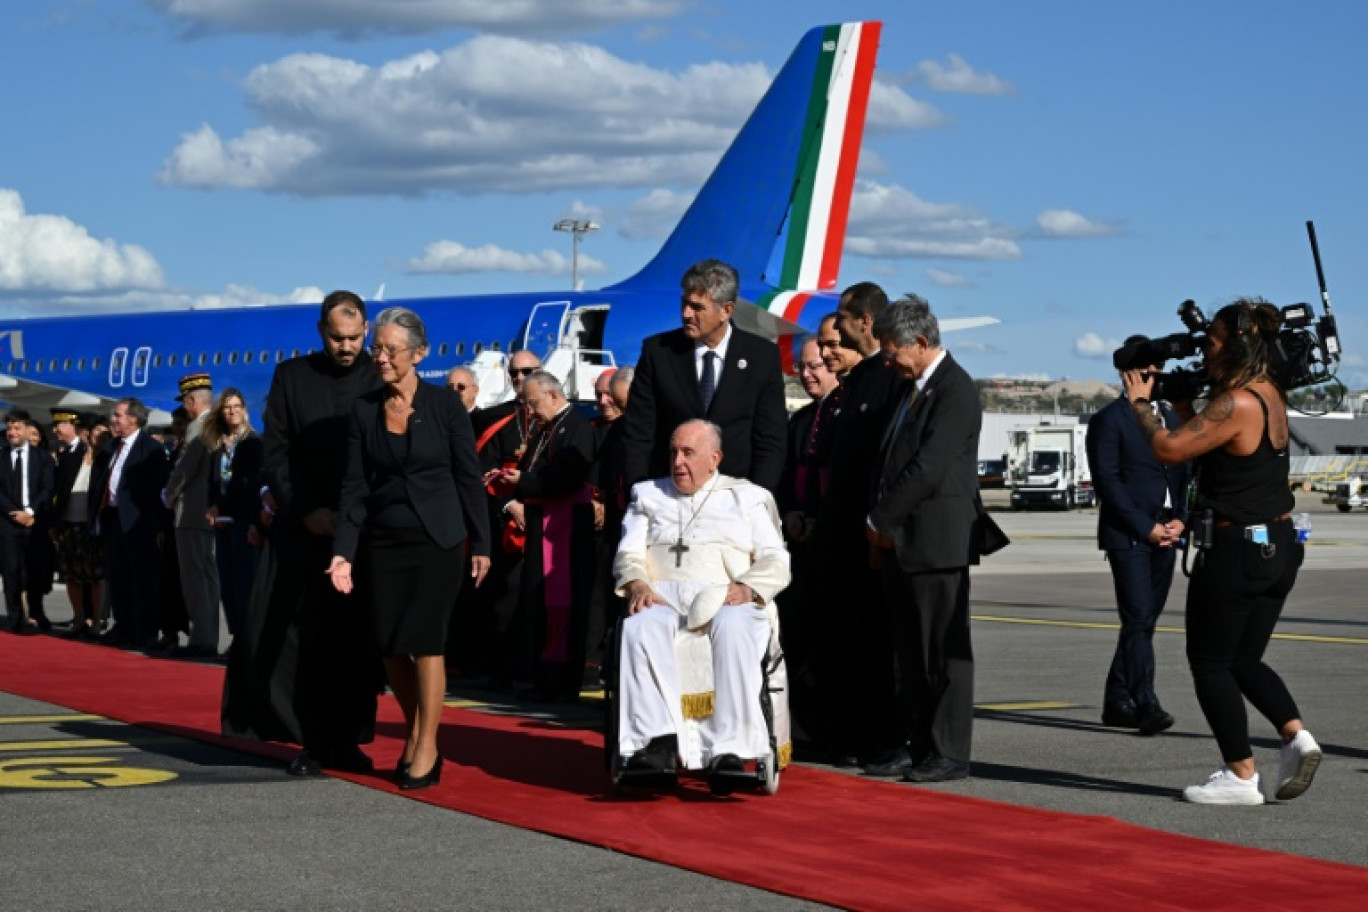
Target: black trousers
{"x": 1141, "y": 576}
{"x": 935, "y": 658}
{"x": 133, "y": 568}
{"x": 1234, "y": 600}
{"x": 19, "y": 570}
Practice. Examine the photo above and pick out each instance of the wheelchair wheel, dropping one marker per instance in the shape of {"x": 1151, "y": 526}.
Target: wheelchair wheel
{"x": 767, "y": 772}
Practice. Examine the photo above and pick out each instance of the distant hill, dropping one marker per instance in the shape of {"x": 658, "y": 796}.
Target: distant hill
{"x": 1073, "y": 397}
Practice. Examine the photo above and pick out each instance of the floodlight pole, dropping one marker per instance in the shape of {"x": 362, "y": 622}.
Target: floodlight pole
{"x": 577, "y": 228}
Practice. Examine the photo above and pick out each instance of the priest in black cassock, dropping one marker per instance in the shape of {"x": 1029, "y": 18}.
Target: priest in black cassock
{"x": 305, "y": 670}
{"x": 554, "y": 505}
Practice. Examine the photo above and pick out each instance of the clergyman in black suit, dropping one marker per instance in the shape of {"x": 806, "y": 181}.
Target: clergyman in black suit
{"x": 1144, "y": 511}
{"x": 925, "y": 518}
{"x": 26, "y": 498}
{"x": 708, "y": 369}
{"x": 126, "y": 495}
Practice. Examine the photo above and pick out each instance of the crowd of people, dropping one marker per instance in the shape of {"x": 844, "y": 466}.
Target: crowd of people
{"x": 386, "y": 529}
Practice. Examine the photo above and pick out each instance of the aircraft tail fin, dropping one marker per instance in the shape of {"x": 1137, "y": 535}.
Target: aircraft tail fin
{"x": 776, "y": 205}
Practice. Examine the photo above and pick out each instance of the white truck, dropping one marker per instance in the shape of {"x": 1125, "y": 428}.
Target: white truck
{"x": 1348, "y": 494}
{"x": 1047, "y": 466}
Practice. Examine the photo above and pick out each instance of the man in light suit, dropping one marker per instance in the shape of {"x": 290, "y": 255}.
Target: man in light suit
{"x": 126, "y": 503}
{"x": 1143, "y": 514}
{"x": 710, "y": 370}
{"x": 926, "y": 523}
{"x": 26, "y": 486}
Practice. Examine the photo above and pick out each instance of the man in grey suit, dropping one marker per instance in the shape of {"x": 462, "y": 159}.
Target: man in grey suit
{"x": 187, "y": 493}
{"x": 926, "y": 522}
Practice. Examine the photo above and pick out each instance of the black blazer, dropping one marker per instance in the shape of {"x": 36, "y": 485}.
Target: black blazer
{"x": 1129, "y": 480}
{"x": 242, "y": 499}
{"x": 145, "y": 470}
{"x": 68, "y": 467}
{"x": 441, "y": 476}
{"x": 927, "y": 488}
{"x": 748, "y": 406}
{"x": 39, "y": 467}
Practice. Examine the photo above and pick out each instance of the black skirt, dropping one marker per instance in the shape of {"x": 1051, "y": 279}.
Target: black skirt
{"x": 412, "y": 585}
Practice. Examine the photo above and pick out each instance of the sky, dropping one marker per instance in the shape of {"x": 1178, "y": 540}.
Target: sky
{"x": 1076, "y": 169}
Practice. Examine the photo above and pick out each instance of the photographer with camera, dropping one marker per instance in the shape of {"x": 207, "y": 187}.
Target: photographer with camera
{"x": 1248, "y": 552}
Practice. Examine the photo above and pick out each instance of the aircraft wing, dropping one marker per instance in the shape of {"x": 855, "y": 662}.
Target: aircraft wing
{"x": 37, "y": 398}
{"x": 953, "y": 323}
{"x": 765, "y": 323}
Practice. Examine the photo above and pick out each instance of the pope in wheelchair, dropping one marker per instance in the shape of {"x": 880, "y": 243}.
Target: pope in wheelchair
{"x": 700, "y": 679}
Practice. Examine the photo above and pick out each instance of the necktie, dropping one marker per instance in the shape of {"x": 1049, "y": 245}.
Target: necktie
{"x": 707, "y": 385}
{"x": 20, "y": 486}
{"x": 105, "y": 498}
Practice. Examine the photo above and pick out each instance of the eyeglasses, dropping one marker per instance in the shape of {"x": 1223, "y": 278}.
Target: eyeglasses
{"x": 813, "y": 366}
{"x": 389, "y": 351}
{"x": 521, "y": 371}
{"x": 459, "y": 387}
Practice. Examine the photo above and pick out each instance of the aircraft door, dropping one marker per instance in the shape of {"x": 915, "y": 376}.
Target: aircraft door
{"x": 118, "y": 362}
{"x": 141, "y": 359}
{"x": 544, "y": 326}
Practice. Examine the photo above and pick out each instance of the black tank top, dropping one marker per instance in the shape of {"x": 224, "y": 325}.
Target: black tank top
{"x": 1247, "y": 489}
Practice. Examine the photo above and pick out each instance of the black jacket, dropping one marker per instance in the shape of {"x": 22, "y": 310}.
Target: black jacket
{"x": 748, "y": 406}
{"x": 1130, "y": 481}
{"x": 39, "y": 467}
{"x": 144, "y": 473}
{"x": 441, "y": 475}
{"x": 242, "y": 499}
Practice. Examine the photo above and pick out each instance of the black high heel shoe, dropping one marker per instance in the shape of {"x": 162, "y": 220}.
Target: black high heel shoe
{"x": 401, "y": 770}
{"x": 410, "y": 783}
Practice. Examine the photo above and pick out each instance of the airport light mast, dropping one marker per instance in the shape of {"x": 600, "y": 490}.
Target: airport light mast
{"x": 577, "y": 228}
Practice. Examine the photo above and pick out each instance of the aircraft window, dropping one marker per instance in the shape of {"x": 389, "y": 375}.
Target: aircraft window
{"x": 294, "y": 353}
{"x": 493, "y": 346}
{"x": 247, "y": 357}
{"x": 66, "y": 364}
{"x": 23, "y": 367}
{"x": 513, "y": 345}
{"x": 9, "y": 368}
{"x": 80, "y": 364}
{"x": 460, "y": 349}
{"x": 37, "y": 367}
{"x": 94, "y": 364}
{"x": 156, "y": 360}
{"x": 187, "y": 359}
{"x": 476, "y": 349}
{"x": 442, "y": 350}
{"x": 170, "y": 360}
{"x": 202, "y": 359}
{"x": 280, "y": 355}
{"x": 264, "y": 357}
{"x": 232, "y": 358}
{"x": 218, "y": 358}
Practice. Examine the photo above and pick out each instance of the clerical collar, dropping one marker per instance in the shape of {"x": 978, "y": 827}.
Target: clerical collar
{"x": 703, "y": 490}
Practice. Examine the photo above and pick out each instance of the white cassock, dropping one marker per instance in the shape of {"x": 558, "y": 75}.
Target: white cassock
{"x": 692, "y": 666}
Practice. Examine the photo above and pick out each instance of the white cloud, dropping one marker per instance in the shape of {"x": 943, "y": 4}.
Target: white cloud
{"x": 654, "y": 216}
{"x": 352, "y": 19}
{"x": 1065, "y": 223}
{"x": 890, "y": 108}
{"x": 51, "y": 253}
{"x": 957, "y": 76}
{"x": 947, "y": 279}
{"x": 889, "y": 221}
{"x": 493, "y": 114}
{"x": 246, "y": 296}
{"x": 1091, "y": 345}
{"x": 976, "y": 348}
{"x": 450, "y": 257}
{"x": 1038, "y": 376}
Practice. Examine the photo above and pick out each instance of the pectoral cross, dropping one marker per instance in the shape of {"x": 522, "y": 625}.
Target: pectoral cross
{"x": 678, "y": 549}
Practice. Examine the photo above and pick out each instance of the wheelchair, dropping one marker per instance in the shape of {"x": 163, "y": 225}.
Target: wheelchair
{"x": 762, "y": 775}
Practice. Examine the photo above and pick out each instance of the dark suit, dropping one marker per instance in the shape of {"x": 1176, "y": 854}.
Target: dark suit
{"x": 130, "y": 530}
{"x": 927, "y": 490}
{"x": 441, "y": 476}
{"x": 25, "y": 565}
{"x": 748, "y": 406}
{"x": 1132, "y": 485}
{"x": 69, "y": 461}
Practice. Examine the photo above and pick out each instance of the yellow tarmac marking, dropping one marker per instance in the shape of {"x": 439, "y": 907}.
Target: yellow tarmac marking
{"x": 1025, "y": 707}
{"x": 84, "y": 744}
{"x": 1097, "y": 625}
{"x": 76, "y": 773}
{"x": 35, "y": 720}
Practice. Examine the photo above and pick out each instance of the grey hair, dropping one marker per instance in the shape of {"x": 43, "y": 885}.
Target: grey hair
{"x": 623, "y": 375}
{"x": 546, "y": 380}
{"x": 136, "y": 410}
{"x": 470, "y": 374}
{"x": 408, "y": 321}
{"x": 905, "y": 320}
{"x": 713, "y": 278}
{"x": 714, "y": 432}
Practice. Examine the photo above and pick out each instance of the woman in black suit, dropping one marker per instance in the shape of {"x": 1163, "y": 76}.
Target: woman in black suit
{"x": 411, "y": 500}
{"x": 235, "y": 457}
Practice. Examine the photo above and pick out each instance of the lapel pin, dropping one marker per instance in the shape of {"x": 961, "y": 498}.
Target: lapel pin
{"x": 741, "y": 365}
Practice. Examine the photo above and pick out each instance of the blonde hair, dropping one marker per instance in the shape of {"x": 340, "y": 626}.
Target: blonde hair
{"x": 216, "y": 428}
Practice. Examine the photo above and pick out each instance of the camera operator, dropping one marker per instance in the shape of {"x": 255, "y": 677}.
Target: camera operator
{"x": 1249, "y": 561}
{"x": 1143, "y": 515}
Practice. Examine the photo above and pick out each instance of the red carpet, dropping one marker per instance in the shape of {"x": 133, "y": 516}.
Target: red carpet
{"x": 826, "y": 837}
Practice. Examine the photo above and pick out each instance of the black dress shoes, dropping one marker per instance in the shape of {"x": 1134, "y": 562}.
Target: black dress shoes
{"x": 893, "y": 765}
{"x": 726, "y": 772}
{"x": 23, "y": 626}
{"x": 194, "y": 651}
{"x": 654, "y": 766}
{"x": 306, "y": 764}
{"x": 433, "y": 776}
{"x": 1114, "y": 716}
{"x": 1151, "y": 719}
{"x": 936, "y": 768}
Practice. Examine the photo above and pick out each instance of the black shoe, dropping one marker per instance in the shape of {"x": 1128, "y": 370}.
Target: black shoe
{"x": 433, "y": 776}
{"x": 114, "y": 637}
{"x": 1151, "y": 719}
{"x": 164, "y": 644}
{"x": 657, "y": 764}
{"x": 44, "y": 624}
{"x": 194, "y": 651}
{"x": 936, "y": 768}
{"x": 726, "y": 772}
{"x": 892, "y": 765}
{"x": 23, "y": 626}
{"x": 306, "y": 764}
{"x": 401, "y": 771}
{"x": 350, "y": 759}
{"x": 1114, "y": 716}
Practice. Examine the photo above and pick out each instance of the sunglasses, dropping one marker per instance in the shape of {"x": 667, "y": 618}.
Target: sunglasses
{"x": 460, "y": 387}
{"x": 521, "y": 371}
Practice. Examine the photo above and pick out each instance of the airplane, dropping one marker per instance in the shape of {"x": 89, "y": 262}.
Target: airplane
{"x": 775, "y": 207}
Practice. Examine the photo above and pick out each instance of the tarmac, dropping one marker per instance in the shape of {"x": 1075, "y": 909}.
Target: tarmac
{"x": 202, "y": 827}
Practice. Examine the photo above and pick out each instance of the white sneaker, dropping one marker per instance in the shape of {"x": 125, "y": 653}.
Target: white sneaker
{"x": 1224, "y": 787}
{"x": 1297, "y": 762}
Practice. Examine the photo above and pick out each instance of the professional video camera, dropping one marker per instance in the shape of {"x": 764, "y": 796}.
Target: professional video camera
{"x": 1306, "y": 352}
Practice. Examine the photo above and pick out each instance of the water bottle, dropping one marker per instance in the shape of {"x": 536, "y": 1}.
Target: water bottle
{"x": 1303, "y": 526}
